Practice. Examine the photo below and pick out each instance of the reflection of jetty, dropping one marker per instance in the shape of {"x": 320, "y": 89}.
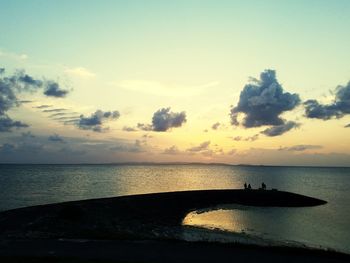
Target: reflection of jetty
{"x": 117, "y": 217}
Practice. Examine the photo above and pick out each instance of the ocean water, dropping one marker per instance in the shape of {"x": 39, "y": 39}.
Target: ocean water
{"x": 324, "y": 226}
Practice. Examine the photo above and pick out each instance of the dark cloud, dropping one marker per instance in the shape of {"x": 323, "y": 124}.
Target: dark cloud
{"x": 280, "y": 129}
{"x": 10, "y": 87}
{"x": 67, "y": 118}
{"x": 337, "y": 109}
{"x": 215, "y": 126}
{"x": 57, "y": 114}
{"x": 202, "y": 147}
{"x": 300, "y": 148}
{"x": 96, "y": 120}
{"x": 2, "y": 70}
{"x": 163, "y": 120}
{"x": 54, "y": 90}
{"x": 43, "y": 106}
{"x": 7, "y": 124}
{"x": 347, "y": 126}
{"x": 7, "y": 148}
{"x": 29, "y": 81}
{"x": 72, "y": 152}
{"x": 144, "y": 127}
{"x": 8, "y": 98}
{"x": 173, "y": 150}
{"x": 55, "y": 110}
{"x": 73, "y": 121}
{"x": 129, "y": 129}
{"x": 263, "y": 102}
{"x": 247, "y": 139}
{"x": 137, "y": 147}
{"x": 147, "y": 136}
{"x": 27, "y": 135}
{"x": 56, "y": 138}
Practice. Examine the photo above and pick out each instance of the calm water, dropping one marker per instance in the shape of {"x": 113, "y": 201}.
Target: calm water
{"x": 326, "y": 226}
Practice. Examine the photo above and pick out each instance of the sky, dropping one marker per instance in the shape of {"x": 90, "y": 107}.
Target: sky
{"x": 238, "y": 82}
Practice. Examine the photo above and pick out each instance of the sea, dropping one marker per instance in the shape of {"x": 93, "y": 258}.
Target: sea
{"x": 326, "y": 226}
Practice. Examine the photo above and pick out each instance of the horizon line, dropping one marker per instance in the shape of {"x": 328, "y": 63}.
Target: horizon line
{"x": 177, "y": 163}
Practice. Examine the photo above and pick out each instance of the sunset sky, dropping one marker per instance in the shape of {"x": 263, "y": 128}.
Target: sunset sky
{"x": 239, "y": 82}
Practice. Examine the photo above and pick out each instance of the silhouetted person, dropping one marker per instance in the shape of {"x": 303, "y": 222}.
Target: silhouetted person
{"x": 245, "y": 186}
{"x": 263, "y": 186}
{"x": 249, "y": 186}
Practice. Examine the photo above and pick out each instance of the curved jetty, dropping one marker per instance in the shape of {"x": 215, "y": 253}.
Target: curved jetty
{"x": 132, "y": 216}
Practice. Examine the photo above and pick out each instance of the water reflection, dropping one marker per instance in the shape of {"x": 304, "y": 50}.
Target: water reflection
{"x": 25, "y": 185}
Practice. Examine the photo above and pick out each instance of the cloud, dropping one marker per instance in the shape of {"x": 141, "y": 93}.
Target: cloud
{"x": 56, "y": 138}
{"x": 80, "y": 72}
{"x": 96, "y": 120}
{"x": 7, "y": 148}
{"x": 263, "y": 102}
{"x": 247, "y": 139}
{"x": 173, "y": 150}
{"x": 280, "y": 129}
{"x": 163, "y": 120}
{"x": 54, "y": 90}
{"x": 201, "y": 147}
{"x": 215, "y": 126}
{"x": 147, "y": 136}
{"x": 164, "y": 89}
{"x": 300, "y": 148}
{"x": 25, "y": 101}
{"x": 347, "y": 126}
{"x": 29, "y": 81}
{"x": 252, "y": 138}
{"x": 137, "y": 147}
{"x": 27, "y": 135}
{"x": 232, "y": 152}
{"x": 14, "y": 56}
{"x": 55, "y": 110}
{"x": 58, "y": 114}
{"x": 43, "y": 106}
{"x": 7, "y": 124}
{"x": 129, "y": 129}
{"x": 144, "y": 127}
{"x": 10, "y": 87}
{"x": 67, "y": 118}
{"x": 27, "y": 144}
{"x": 2, "y": 70}
{"x": 337, "y": 109}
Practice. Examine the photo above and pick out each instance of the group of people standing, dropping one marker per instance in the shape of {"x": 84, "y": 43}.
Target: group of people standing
{"x": 248, "y": 187}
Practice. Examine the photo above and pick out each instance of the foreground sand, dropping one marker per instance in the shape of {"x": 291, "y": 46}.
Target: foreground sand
{"x": 140, "y": 228}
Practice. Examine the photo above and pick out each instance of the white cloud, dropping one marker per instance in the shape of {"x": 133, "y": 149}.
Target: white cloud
{"x": 80, "y": 72}
{"x": 12, "y": 55}
{"x": 162, "y": 88}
